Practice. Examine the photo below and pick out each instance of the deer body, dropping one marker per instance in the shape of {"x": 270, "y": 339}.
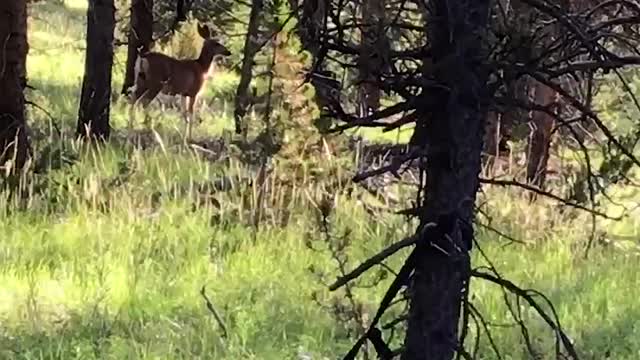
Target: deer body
{"x": 156, "y": 72}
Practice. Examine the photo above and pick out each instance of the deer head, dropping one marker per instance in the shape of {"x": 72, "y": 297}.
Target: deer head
{"x": 211, "y": 47}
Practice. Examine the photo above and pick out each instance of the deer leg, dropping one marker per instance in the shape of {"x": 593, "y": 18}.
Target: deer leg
{"x": 135, "y": 96}
{"x": 147, "y": 97}
{"x": 184, "y": 110}
{"x": 190, "y": 107}
{"x": 194, "y": 107}
{"x": 196, "y": 104}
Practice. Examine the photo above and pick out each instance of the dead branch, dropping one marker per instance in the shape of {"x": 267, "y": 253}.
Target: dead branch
{"x": 379, "y": 258}
{"x": 214, "y": 312}
{"x": 528, "y": 296}
{"x": 548, "y": 195}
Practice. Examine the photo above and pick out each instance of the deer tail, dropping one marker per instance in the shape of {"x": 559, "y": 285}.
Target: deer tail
{"x": 141, "y": 68}
{"x": 142, "y": 50}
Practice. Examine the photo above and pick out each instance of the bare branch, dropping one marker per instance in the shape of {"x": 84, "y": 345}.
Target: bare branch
{"x": 379, "y": 258}
{"x": 213, "y": 311}
{"x": 548, "y": 195}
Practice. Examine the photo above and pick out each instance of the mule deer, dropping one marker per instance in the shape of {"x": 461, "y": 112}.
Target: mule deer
{"x": 156, "y": 72}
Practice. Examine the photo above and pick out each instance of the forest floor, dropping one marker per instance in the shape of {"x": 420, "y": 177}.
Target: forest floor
{"x": 107, "y": 255}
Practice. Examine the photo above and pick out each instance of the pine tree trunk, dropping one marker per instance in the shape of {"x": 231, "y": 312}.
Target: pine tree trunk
{"x": 140, "y": 36}
{"x": 310, "y": 16}
{"x": 540, "y": 122}
{"x": 95, "y": 100}
{"x": 14, "y": 142}
{"x": 310, "y": 21}
{"x": 246, "y": 73}
{"x": 540, "y": 138}
{"x": 493, "y": 134}
{"x": 374, "y": 48}
{"x": 454, "y": 132}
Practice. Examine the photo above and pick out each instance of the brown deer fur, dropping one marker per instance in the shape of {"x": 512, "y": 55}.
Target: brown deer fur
{"x": 156, "y": 72}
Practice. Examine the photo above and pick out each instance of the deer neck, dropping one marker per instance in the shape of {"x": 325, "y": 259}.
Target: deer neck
{"x": 205, "y": 59}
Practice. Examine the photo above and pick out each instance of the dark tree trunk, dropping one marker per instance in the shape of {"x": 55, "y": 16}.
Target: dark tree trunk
{"x": 500, "y": 126}
{"x": 454, "y": 135}
{"x": 493, "y": 135}
{"x": 140, "y": 36}
{"x": 540, "y": 137}
{"x": 374, "y": 50}
{"x": 310, "y": 22}
{"x": 541, "y": 123}
{"x": 246, "y": 73}
{"x": 310, "y": 16}
{"x": 14, "y": 142}
{"x": 493, "y": 140}
{"x": 95, "y": 100}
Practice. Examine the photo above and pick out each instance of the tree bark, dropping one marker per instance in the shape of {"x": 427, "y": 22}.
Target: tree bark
{"x": 453, "y": 139}
{"x": 310, "y": 21}
{"x": 374, "y": 50}
{"x": 140, "y": 36}
{"x": 14, "y": 142}
{"x": 310, "y": 18}
{"x": 246, "y": 73}
{"x": 95, "y": 100}
{"x": 519, "y": 25}
{"x": 496, "y": 134}
{"x": 541, "y": 124}
{"x": 540, "y": 138}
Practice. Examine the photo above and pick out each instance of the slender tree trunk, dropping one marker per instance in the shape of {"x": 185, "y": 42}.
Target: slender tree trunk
{"x": 499, "y": 128}
{"x": 454, "y": 134}
{"x": 310, "y": 18}
{"x": 95, "y": 100}
{"x": 246, "y": 72}
{"x": 541, "y": 123}
{"x": 540, "y": 137}
{"x": 14, "y": 142}
{"x": 493, "y": 134}
{"x": 374, "y": 49}
{"x": 493, "y": 139}
{"x": 140, "y": 35}
{"x": 310, "y": 21}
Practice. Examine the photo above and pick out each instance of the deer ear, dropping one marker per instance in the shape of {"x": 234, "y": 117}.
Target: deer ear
{"x": 204, "y": 31}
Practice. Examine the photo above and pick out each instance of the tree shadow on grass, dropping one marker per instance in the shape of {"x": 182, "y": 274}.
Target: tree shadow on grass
{"x": 615, "y": 338}
{"x": 610, "y": 331}
{"x": 268, "y": 325}
{"x": 594, "y": 302}
{"x": 95, "y": 335}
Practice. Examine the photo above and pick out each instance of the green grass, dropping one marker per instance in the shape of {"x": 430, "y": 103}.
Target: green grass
{"x": 105, "y": 259}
